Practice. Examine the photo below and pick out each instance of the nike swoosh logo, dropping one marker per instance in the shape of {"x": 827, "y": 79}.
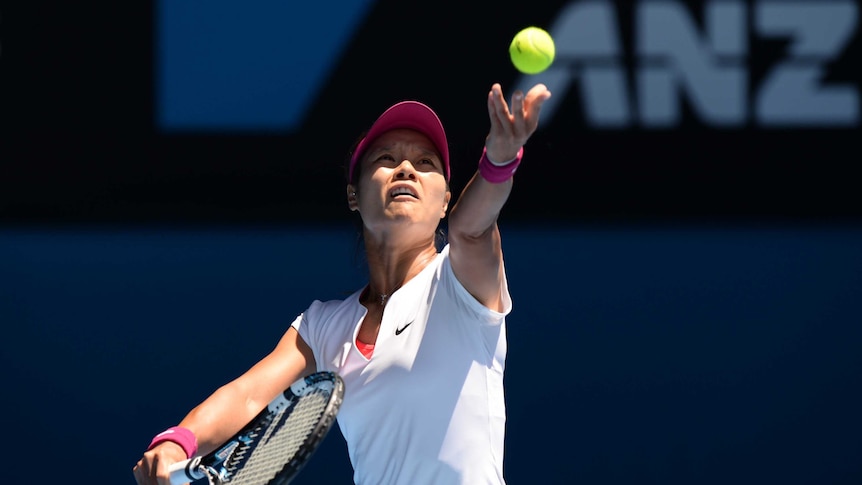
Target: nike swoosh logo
{"x": 399, "y": 330}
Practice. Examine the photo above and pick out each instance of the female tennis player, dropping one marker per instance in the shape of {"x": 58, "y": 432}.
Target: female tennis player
{"x": 422, "y": 346}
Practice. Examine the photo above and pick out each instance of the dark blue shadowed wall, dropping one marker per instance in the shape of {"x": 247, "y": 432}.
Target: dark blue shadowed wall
{"x": 643, "y": 354}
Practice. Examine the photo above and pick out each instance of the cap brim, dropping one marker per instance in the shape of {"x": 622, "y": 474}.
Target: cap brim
{"x": 411, "y": 115}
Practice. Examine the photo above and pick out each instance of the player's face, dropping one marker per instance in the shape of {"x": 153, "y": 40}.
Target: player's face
{"x": 402, "y": 179}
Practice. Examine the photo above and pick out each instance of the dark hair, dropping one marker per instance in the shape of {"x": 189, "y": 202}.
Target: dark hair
{"x": 350, "y": 153}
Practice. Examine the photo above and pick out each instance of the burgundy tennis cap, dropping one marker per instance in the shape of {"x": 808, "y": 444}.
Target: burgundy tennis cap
{"x": 406, "y": 114}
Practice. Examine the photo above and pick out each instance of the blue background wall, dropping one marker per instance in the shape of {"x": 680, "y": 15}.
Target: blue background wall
{"x": 686, "y": 289}
{"x": 638, "y": 354}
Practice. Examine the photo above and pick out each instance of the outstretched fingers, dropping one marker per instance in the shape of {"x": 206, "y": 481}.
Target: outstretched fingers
{"x": 518, "y": 116}
{"x": 498, "y": 111}
{"x": 536, "y": 97}
{"x": 511, "y": 128}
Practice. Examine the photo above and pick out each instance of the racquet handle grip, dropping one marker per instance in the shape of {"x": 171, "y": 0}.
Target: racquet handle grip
{"x": 186, "y": 471}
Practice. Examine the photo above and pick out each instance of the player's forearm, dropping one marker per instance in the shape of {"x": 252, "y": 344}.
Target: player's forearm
{"x": 218, "y": 417}
{"x": 476, "y": 211}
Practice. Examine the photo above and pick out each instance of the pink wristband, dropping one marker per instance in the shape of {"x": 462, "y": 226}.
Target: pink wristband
{"x": 179, "y": 435}
{"x": 497, "y": 174}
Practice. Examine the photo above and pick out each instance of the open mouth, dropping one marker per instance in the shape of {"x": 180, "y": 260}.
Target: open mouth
{"x": 402, "y": 192}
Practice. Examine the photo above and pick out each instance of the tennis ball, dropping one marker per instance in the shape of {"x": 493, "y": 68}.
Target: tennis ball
{"x": 532, "y": 50}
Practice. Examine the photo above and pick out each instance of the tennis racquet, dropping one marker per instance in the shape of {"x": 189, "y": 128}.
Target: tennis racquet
{"x": 274, "y": 446}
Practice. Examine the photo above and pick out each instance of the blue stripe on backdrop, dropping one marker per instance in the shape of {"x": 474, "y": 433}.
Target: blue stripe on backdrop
{"x": 672, "y": 355}
{"x": 255, "y": 67}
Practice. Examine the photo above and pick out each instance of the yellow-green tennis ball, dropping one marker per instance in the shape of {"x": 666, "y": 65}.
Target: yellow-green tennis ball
{"x": 532, "y": 50}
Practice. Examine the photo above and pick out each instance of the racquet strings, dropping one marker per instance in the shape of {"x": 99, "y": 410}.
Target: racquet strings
{"x": 285, "y": 436}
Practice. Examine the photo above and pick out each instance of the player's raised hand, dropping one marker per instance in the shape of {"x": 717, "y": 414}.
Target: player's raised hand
{"x": 511, "y": 127}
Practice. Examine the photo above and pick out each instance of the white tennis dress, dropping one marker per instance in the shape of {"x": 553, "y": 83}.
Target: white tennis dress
{"x": 428, "y": 407}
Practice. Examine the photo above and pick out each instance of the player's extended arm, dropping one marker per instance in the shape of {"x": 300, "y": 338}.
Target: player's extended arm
{"x": 230, "y": 407}
{"x": 473, "y": 233}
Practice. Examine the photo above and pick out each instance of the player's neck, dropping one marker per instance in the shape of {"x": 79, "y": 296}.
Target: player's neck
{"x": 389, "y": 272}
